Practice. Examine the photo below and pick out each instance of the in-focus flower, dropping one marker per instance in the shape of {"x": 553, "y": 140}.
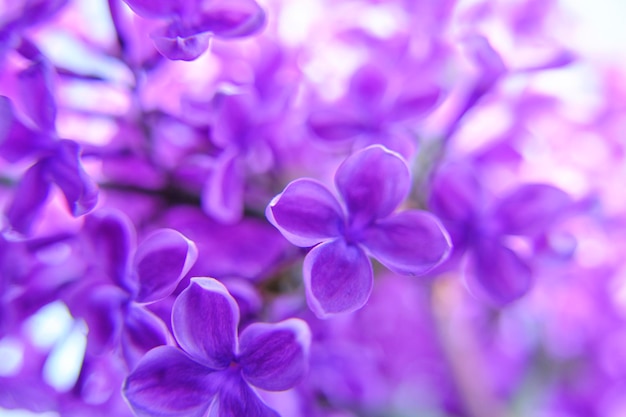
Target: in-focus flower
{"x": 214, "y": 370}
{"x": 337, "y": 273}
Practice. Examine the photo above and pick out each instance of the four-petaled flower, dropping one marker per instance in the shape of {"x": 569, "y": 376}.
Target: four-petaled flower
{"x": 214, "y": 372}
{"x": 337, "y": 274}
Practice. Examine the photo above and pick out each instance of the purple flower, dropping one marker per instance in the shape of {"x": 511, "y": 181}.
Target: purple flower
{"x": 214, "y": 372}
{"x": 337, "y": 273}
{"x": 192, "y": 23}
{"x": 485, "y": 231}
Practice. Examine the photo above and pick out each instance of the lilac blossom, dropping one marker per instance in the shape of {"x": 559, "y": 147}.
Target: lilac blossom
{"x": 191, "y": 23}
{"x": 486, "y": 230}
{"x": 215, "y": 369}
{"x": 337, "y": 273}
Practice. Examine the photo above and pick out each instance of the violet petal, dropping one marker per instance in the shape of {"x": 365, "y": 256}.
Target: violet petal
{"x": 179, "y": 43}
{"x": 231, "y": 18}
{"x": 167, "y": 383}
{"x": 65, "y": 169}
{"x": 338, "y": 278}
{"x": 143, "y": 331}
{"x": 223, "y": 194}
{"x": 531, "y": 208}
{"x": 372, "y": 182}
{"x": 161, "y": 261}
{"x": 306, "y": 213}
{"x": 111, "y": 236}
{"x": 205, "y": 319}
{"x": 496, "y": 273}
{"x": 274, "y": 356}
{"x": 409, "y": 243}
{"x": 155, "y": 9}
{"x": 16, "y": 140}
{"x": 237, "y": 399}
{"x": 36, "y": 90}
{"x": 28, "y": 199}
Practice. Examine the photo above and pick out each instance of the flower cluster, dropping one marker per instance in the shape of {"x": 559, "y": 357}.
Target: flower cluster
{"x": 265, "y": 208}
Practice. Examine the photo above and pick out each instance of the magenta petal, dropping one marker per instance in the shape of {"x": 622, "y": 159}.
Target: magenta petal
{"x": 167, "y": 383}
{"x": 409, "y": 243}
{"x": 28, "y": 199}
{"x": 65, "y": 169}
{"x": 161, "y": 261}
{"x": 205, "y": 319}
{"x": 306, "y": 213}
{"x": 372, "y": 182}
{"x": 237, "y": 399}
{"x": 274, "y": 357}
{"x": 179, "y": 43}
{"x": 531, "y": 209}
{"x": 338, "y": 278}
{"x": 231, "y": 18}
{"x": 496, "y": 273}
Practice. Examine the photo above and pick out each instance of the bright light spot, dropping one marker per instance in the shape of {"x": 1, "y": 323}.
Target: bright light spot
{"x": 46, "y": 327}
{"x": 67, "y": 52}
{"x": 54, "y": 254}
{"x": 297, "y": 19}
{"x": 382, "y": 20}
{"x": 12, "y": 356}
{"x": 63, "y": 366}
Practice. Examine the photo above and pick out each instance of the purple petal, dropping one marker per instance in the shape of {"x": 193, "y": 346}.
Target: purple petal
{"x": 336, "y": 125}
{"x": 28, "y": 199}
{"x": 414, "y": 104}
{"x": 179, "y": 43}
{"x": 338, "y": 278}
{"x": 306, "y": 213}
{"x": 37, "y": 11}
{"x": 373, "y": 182}
{"x": 36, "y": 90}
{"x": 167, "y": 383}
{"x": 16, "y": 140}
{"x": 112, "y": 238}
{"x": 205, "y": 319}
{"x": 409, "y": 243}
{"x": 496, "y": 273}
{"x": 237, "y": 399}
{"x": 66, "y": 171}
{"x": 161, "y": 261}
{"x": 231, "y": 18}
{"x": 531, "y": 209}
{"x": 368, "y": 86}
{"x": 143, "y": 331}
{"x": 223, "y": 195}
{"x": 274, "y": 357}
{"x": 155, "y": 9}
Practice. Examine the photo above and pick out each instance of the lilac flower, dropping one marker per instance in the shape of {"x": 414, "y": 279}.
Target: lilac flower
{"x": 214, "y": 370}
{"x": 58, "y": 161}
{"x": 123, "y": 279}
{"x": 483, "y": 229}
{"x": 192, "y": 23}
{"x": 337, "y": 273}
